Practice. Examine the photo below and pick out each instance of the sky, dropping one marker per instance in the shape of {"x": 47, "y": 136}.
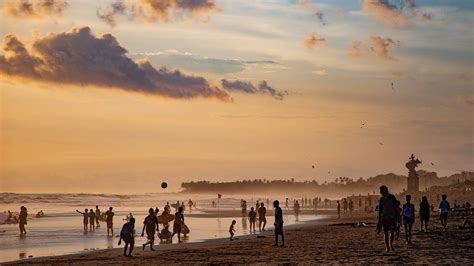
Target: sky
{"x": 119, "y": 96}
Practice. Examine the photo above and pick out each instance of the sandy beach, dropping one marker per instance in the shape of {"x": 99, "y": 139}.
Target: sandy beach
{"x": 328, "y": 241}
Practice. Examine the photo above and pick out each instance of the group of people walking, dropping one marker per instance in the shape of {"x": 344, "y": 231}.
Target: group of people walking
{"x": 391, "y": 216}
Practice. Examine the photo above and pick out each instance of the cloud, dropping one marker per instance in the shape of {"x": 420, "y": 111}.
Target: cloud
{"x": 375, "y": 45}
{"x": 321, "y": 72}
{"x": 315, "y": 10}
{"x": 394, "y": 14}
{"x": 197, "y": 63}
{"x": 248, "y": 87}
{"x": 35, "y": 9}
{"x": 156, "y": 10}
{"x": 313, "y": 40}
{"x": 80, "y": 58}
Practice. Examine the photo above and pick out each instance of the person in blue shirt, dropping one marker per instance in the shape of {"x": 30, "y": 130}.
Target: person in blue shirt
{"x": 408, "y": 217}
{"x": 127, "y": 234}
{"x": 444, "y": 210}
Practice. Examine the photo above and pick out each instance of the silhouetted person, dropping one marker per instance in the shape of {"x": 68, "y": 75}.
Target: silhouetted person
{"x": 85, "y": 219}
{"x": 110, "y": 221}
{"x": 97, "y": 216}
{"x": 424, "y": 213}
{"x": 286, "y": 203}
{"x": 232, "y": 230}
{"x": 190, "y": 204}
{"x": 165, "y": 234}
{"x": 262, "y": 219}
{"x": 22, "y": 220}
{"x": 91, "y": 220}
{"x": 444, "y": 210}
{"x": 351, "y": 206}
{"x": 244, "y": 208}
{"x": 408, "y": 215}
{"x": 388, "y": 216}
{"x": 278, "y": 224}
{"x": 178, "y": 221}
{"x": 344, "y": 205}
{"x": 150, "y": 225}
{"x": 252, "y": 219}
{"x": 296, "y": 209}
{"x": 167, "y": 208}
{"x": 127, "y": 234}
{"x": 338, "y": 209}
{"x": 10, "y": 216}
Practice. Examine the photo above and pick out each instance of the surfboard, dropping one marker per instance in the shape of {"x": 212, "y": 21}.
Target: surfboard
{"x": 165, "y": 218}
{"x": 184, "y": 229}
{"x": 175, "y": 205}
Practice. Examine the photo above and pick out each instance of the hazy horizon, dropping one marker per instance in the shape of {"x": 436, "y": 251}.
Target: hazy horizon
{"x": 265, "y": 89}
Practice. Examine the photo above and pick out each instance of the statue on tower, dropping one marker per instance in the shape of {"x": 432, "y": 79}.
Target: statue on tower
{"x": 413, "y": 183}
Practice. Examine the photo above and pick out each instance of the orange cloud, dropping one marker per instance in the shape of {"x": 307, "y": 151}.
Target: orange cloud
{"x": 375, "y": 45}
{"x": 156, "y": 10}
{"x": 396, "y": 15}
{"x": 313, "y": 40}
{"x": 35, "y": 9}
{"x": 80, "y": 58}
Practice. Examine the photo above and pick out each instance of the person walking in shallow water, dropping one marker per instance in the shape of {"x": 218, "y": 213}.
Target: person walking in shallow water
{"x": 22, "y": 220}
{"x": 91, "y": 220}
{"x": 252, "y": 219}
{"x": 110, "y": 221}
{"x": 85, "y": 219}
{"x": 178, "y": 222}
{"x": 278, "y": 224}
{"x": 97, "y": 216}
{"x": 388, "y": 217}
{"x": 338, "y": 209}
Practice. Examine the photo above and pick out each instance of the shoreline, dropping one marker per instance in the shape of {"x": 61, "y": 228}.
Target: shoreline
{"x": 310, "y": 242}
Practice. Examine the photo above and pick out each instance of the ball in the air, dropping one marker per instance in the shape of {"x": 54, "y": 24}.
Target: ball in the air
{"x": 164, "y": 185}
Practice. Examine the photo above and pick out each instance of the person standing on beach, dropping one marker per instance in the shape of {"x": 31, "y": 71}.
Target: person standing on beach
{"x": 150, "y": 224}
{"x": 85, "y": 220}
{"x": 110, "y": 221}
{"x": 344, "y": 205}
{"x": 444, "y": 210}
{"x": 91, "y": 220}
{"x": 296, "y": 209}
{"x": 244, "y": 208}
{"x": 408, "y": 215}
{"x": 252, "y": 219}
{"x": 424, "y": 213}
{"x": 338, "y": 210}
{"x": 278, "y": 224}
{"x": 22, "y": 220}
{"x": 286, "y": 203}
{"x": 351, "y": 206}
{"x": 388, "y": 217}
{"x": 178, "y": 221}
{"x": 97, "y": 216}
{"x": 261, "y": 217}
{"x": 127, "y": 234}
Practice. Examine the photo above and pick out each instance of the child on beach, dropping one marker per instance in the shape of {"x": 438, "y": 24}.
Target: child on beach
{"x": 85, "y": 220}
{"x": 232, "y": 230}
{"x": 165, "y": 234}
{"x": 91, "y": 220}
{"x": 127, "y": 234}
{"x": 408, "y": 216}
{"x": 252, "y": 219}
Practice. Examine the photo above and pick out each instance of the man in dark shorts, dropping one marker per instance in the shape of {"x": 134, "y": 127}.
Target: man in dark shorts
{"x": 444, "y": 210}
{"x": 252, "y": 219}
{"x": 127, "y": 234}
{"x": 278, "y": 224}
{"x": 178, "y": 221}
{"x": 110, "y": 221}
{"x": 261, "y": 217}
{"x": 424, "y": 213}
{"x": 150, "y": 224}
{"x": 388, "y": 217}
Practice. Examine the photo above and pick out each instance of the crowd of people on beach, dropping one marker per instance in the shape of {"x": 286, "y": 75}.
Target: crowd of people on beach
{"x": 391, "y": 216}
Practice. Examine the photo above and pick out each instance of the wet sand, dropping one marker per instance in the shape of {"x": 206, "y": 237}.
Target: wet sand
{"x": 314, "y": 242}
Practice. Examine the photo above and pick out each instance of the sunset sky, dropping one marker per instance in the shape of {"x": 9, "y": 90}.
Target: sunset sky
{"x": 251, "y": 89}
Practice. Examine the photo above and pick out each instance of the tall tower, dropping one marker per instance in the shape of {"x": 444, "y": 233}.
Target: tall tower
{"x": 413, "y": 181}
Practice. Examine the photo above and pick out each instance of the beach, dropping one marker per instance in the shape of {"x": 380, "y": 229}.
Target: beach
{"x": 324, "y": 241}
